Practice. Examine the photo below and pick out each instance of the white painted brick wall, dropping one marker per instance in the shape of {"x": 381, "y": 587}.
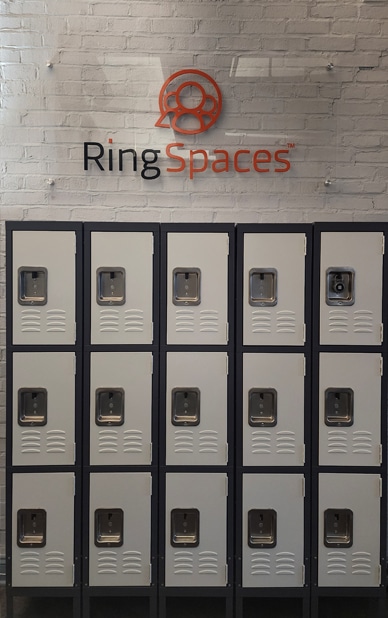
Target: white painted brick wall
{"x": 269, "y": 58}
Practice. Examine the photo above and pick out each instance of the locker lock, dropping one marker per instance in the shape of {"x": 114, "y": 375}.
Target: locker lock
{"x": 110, "y": 286}
{"x": 339, "y": 407}
{"x": 32, "y": 407}
{"x": 262, "y": 528}
{"x": 32, "y": 284}
{"x": 184, "y": 528}
{"x": 185, "y": 406}
{"x": 263, "y": 284}
{"x": 340, "y": 286}
{"x": 262, "y": 407}
{"x": 186, "y": 286}
{"x": 109, "y": 406}
{"x": 108, "y": 527}
{"x": 338, "y": 528}
{"x": 31, "y": 527}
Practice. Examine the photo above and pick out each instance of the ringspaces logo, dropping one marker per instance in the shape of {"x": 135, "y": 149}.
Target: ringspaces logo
{"x": 190, "y": 103}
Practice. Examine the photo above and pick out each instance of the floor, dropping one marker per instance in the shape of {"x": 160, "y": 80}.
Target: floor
{"x": 195, "y": 608}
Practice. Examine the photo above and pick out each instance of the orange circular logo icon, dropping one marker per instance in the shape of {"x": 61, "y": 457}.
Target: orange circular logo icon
{"x": 191, "y": 100}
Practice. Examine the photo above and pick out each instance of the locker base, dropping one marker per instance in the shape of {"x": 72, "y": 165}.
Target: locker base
{"x": 290, "y": 602}
{"x": 365, "y": 603}
{"x": 119, "y": 602}
{"x": 43, "y": 601}
{"x": 202, "y": 602}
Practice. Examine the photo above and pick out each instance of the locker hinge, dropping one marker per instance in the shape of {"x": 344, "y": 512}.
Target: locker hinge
{"x": 150, "y": 573}
{"x": 227, "y": 365}
{"x": 153, "y": 244}
{"x": 73, "y": 574}
{"x": 303, "y": 574}
{"x": 304, "y": 366}
{"x": 383, "y": 244}
{"x": 227, "y": 244}
{"x": 381, "y": 366}
{"x": 381, "y": 332}
{"x": 152, "y": 365}
{"x": 227, "y": 332}
{"x": 150, "y": 485}
{"x": 379, "y": 574}
{"x": 75, "y": 365}
{"x": 380, "y": 453}
{"x": 226, "y": 487}
{"x": 226, "y": 574}
{"x": 151, "y": 454}
{"x": 381, "y": 487}
{"x": 75, "y": 243}
{"x": 304, "y": 454}
{"x": 304, "y": 333}
{"x": 74, "y": 452}
{"x": 75, "y": 331}
{"x": 305, "y": 245}
{"x": 152, "y": 331}
{"x": 74, "y": 486}
{"x": 303, "y": 487}
{"x": 226, "y": 452}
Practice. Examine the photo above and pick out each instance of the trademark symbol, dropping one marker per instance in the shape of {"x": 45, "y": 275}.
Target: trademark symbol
{"x": 291, "y": 145}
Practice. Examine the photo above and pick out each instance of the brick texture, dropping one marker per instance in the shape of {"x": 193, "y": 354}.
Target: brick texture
{"x": 270, "y": 58}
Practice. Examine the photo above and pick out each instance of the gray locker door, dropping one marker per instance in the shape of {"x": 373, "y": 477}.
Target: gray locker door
{"x": 43, "y": 530}
{"x": 273, "y": 530}
{"x": 351, "y": 313}
{"x": 197, "y": 382}
{"x": 350, "y": 409}
{"x": 201, "y": 561}
{"x": 198, "y": 315}
{"x": 43, "y": 282}
{"x": 350, "y": 504}
{"x": 277, "y": 438}
{"x": 121, "y": 287}
{"x": 274, "y": 289}
{"x": 43, "y": 408}
{"x": 120, "y": 502}
{"x": 121, "y": 383}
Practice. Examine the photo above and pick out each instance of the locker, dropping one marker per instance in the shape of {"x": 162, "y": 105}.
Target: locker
{"x": 351, "y": 288}
{"x": 120, "y": 408}
{"x": 121, "y": 287}
{"x": 120, "y": 529}
{"x": 43, "y": 408}
{"x": 197, "y": 288}
{"x": 274, "y": 289}
{"x": 349, "y": 530}
{"x": 43, "y": 530}
{"x": 273, "y": 409}
{"x": 44, "y": 287}
{"x": 273, "y": 531}
{"x": 350, "y": 409}
{"x": 197, "y": 408}
{"x": 196, "y": 530}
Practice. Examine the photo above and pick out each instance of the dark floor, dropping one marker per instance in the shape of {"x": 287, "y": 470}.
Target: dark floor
{"x": 189, "y": 608}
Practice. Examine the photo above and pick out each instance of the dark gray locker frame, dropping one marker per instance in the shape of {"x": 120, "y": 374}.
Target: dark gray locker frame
{"x": 226, "y": 593}
{"x": 128, "y": 592}
{"x": 377, "y": 593}
{"x": 124, "y": 592}
{"x": 272, "y": 593}
{"x": 55, "y": 592}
